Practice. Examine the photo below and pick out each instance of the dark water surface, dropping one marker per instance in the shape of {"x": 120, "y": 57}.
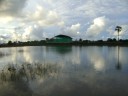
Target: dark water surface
{"x": 64, "y": 71}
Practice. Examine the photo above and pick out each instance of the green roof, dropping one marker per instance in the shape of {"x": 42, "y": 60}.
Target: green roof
{"x": 63, "y": 36}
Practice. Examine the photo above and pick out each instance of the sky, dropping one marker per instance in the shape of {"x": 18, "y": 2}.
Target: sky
{"x": 25, "y": 20}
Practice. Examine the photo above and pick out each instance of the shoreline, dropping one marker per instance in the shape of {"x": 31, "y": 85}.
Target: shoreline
{"x": 111, "y": 44}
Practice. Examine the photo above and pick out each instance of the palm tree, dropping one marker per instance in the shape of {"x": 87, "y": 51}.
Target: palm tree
{"x": 118, "y": 29}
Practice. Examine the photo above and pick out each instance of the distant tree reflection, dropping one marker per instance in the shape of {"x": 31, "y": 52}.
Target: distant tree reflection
{"x": 118, "y": 66}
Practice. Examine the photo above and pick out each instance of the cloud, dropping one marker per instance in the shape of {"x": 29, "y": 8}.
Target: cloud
{"x": 96, "y": 8}
{"x": 33, "y": 33}
{"x": 44, "y": 17}
{"x": 37, "y": 33}
{"x": 73, "y": 30}
{"x": 5, "y": 20}
{"x": 51, "y": 18}
{"x": 61, "y": 23}
{"x": 11, "y": 7}
{"x": 98, "y": 26}
{"x": 38, "y": 14}
{"x": 29, "y": 33}
{"x": 97, "y": 18}
{"x": 4, "y": 36}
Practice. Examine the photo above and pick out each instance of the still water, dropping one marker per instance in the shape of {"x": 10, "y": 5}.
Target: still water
{"x": 64, "y": 71}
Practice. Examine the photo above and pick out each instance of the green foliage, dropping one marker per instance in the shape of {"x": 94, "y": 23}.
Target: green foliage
{"x": 111, "y": 40}
{"x": 9, "y": 42}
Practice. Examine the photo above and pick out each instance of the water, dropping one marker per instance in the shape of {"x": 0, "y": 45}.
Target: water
{"x": 64, "y": 71}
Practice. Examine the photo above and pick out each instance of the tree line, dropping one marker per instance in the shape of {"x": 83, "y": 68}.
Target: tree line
{"x": 109, "y": 41}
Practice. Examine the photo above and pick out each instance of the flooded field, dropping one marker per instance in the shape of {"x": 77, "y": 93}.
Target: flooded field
{"x": 64, "y": 71}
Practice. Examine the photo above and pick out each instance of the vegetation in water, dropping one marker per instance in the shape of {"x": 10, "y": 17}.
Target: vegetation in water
{"x": 27, "y": 71}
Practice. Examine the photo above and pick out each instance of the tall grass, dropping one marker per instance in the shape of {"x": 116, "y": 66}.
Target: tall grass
{"x": 27, "y": 71}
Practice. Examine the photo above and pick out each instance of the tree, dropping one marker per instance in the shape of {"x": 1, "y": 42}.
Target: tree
{"x": 109, "y": 40}
{"x": 47, "y": 39}
{"x": 118, "y": 29}
{"x": 80, "y": 40}
{"x": 9, "y": 42}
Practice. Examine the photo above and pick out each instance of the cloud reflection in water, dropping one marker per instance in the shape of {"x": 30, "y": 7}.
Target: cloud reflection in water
{"x": 68, "y": 73}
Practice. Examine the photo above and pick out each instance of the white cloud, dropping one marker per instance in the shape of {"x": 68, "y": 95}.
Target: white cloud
{"x": 33, "y": 33}
{"x": 64, "y": 15}
{"x": 73, "y": 30}
{"x": 61, "y": 23}
{"x": 98, "y": 26}
{"x": 52, "y": 18}
{"x": 5, "y": 20}
{"x": 4, "y": 36}
{"x": 44, "y": 17}
{"x": 38, "y": 14}
{"x": 26, "y": 34}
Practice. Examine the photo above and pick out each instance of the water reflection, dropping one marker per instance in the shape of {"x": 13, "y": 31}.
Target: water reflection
{"x": 65, "y": 71}
{"x": 3, "y": 54}
{"x": 52, "y": 54}
{"x": 20, "y": 76}
{"x": 61, "y": 49}
{"x": 26, "y": 71}
{"x": 96, "y": 58}
{"x": 118, "y": 66}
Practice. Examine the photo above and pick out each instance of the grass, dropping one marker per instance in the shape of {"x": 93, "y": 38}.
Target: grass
{"x": 27, "y": 71}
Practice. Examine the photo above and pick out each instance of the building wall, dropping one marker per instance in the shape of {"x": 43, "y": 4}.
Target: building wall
{"x": 62, "y": 40}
